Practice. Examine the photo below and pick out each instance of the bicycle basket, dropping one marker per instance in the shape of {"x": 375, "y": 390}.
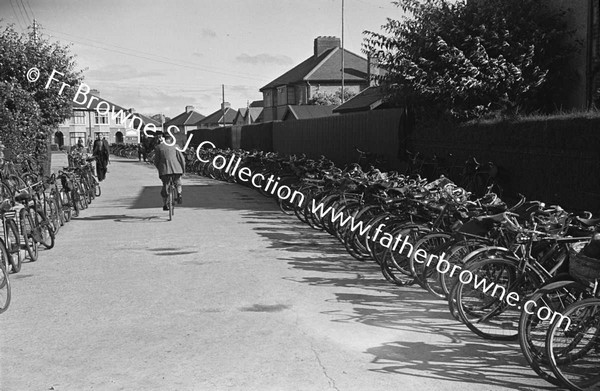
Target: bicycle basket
{"x": 581, "y": 266}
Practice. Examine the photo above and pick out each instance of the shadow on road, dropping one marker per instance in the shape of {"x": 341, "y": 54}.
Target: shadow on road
{"x": 464, "y": 358}
{"x": 205, "y": 196}
{"x": 472, "y": 362}
{"x": 121, "y": 218}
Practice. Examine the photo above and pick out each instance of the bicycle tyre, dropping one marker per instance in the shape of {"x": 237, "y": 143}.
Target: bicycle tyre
{"x": 490, "y": 317}
{"x": 47, "y": 234}
{"x": 575, "y": 377}
{"x": 4, "y": 284}
{"x": 13, "y": 247}
{"x": 27, "y": 227}
{"x": 533, "y": 331}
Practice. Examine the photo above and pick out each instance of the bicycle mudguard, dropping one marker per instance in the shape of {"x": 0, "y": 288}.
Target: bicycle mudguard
{"x": 502, "y": 250}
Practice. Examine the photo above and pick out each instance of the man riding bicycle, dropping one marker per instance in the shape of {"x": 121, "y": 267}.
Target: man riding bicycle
{"x": 170, "y": 164}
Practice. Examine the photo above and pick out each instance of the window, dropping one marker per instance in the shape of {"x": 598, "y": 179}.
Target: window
{"x": 268, "y": 98}
{"x": 281, "y": 96}
{"x": 78, "y": 117}
{"x": 100, "y": 119}
{"x": 75, "y": 136}
{"x": 118, "y": 120}
{"x": 291, "y": 96}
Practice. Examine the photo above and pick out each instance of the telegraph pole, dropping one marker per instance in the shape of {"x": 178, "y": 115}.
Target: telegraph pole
{"x": 35, "y": 37}
{"x": 223, "y": 103}
{"x": 342, "y": 94}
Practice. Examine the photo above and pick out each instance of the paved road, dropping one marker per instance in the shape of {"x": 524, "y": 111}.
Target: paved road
{"x": 231, "y": 295}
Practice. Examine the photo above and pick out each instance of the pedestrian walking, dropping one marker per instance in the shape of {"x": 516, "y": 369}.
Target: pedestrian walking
{"x": 142, "y": 152}
{"x": 101, "y": 153}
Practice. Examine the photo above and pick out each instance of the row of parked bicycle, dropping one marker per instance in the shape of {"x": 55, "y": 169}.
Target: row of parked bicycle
{"x": 548, "y": 257}
{"x": 33, "y": 207}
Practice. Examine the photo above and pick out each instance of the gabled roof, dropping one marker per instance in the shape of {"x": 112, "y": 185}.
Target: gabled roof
{"x": 257, "y": 103}
{"x": 240, "y": 115}
{"x": 189, "y": 118}
{"x": 259, "y": 118}
{"x": 307, "y": 111}
{"x": 254, "y": 113}
{"x": 325, "y": 67}
{"x": 217, "y": 117}
{"x": 368, "y": 99}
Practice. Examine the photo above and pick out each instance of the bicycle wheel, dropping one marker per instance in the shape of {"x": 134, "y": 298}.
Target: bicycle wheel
{"x": 53, "y": 215}
{"x": 574, "y": 348}
{"x": 4, "y": 284}
{"x": 428, "y": 242}
{"x": 83, "y": 195}
{"x": 27, "y": 227}
{"x": 557, "y": 296}
{"x": 483, "y": 309}
{"x": 12, "y": 246}
{"x": 44, "y": 225}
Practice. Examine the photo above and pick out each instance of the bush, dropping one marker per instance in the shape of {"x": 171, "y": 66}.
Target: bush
{"x": 471, "y": 59}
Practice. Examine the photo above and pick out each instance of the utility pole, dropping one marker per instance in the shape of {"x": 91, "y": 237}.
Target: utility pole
{"x": 35, "y": 37}
{"x": 342, "y": 94}
{"x": 223, "y": 103}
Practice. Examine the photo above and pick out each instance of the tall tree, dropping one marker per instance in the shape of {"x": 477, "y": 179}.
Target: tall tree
{"x": 473, "y": 58}
{"x": 29, "y": 112}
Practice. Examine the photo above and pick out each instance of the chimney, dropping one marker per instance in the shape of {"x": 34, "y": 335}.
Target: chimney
{"x": 189, "y": 108}
{"x": 132, "y": 110}
{"x": 325, "y": 43}
{"x": 225, "y": 105}
{"x": 94, "y": 91}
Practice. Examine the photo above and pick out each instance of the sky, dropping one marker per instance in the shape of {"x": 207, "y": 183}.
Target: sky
{"x": 160, "y": 56}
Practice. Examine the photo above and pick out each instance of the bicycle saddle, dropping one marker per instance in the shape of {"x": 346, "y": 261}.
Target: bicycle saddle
{"x": 589, "y": 222}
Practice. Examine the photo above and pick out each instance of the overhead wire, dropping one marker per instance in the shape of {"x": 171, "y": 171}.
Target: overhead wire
{"x": 16, "y": 15}
{"x": 154, "y": 57}
{"x": 21, "y": 12}
{"x": 25, "y": 10}
{"x": 28, "y": 5}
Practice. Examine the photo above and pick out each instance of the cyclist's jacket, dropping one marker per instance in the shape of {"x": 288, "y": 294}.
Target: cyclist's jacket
{"x": 168, "y": 160}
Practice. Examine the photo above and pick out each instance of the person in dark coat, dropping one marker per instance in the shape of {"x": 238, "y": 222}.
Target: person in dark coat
{"x": 101, "y": 152}
{"x": 170, "y": 164}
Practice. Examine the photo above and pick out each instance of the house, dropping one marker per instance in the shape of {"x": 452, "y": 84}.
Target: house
{"x": 320, "y": 73}
{"x": 295, "y": 112}
{"x": 86, "y": 122}
{"x": 185, "y": 121}
{"x": 249, "y": 115}
{"x": 222, "y": 117}
{"x": 240, "y": 117}
{"x": 370, "y": 98}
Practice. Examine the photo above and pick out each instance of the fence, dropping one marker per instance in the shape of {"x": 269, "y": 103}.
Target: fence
{"x": 554, "y": 160}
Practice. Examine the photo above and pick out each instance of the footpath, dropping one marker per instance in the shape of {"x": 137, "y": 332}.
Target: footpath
{"x": 230, "y": 295}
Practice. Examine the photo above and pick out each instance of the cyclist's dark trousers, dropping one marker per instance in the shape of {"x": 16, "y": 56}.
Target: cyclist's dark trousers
{"x": 165, "y": 182}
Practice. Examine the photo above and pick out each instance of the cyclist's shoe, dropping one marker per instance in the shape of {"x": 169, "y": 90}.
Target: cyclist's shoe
{"x": 165, "y": 207}
{"x": 179, "y": 199}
